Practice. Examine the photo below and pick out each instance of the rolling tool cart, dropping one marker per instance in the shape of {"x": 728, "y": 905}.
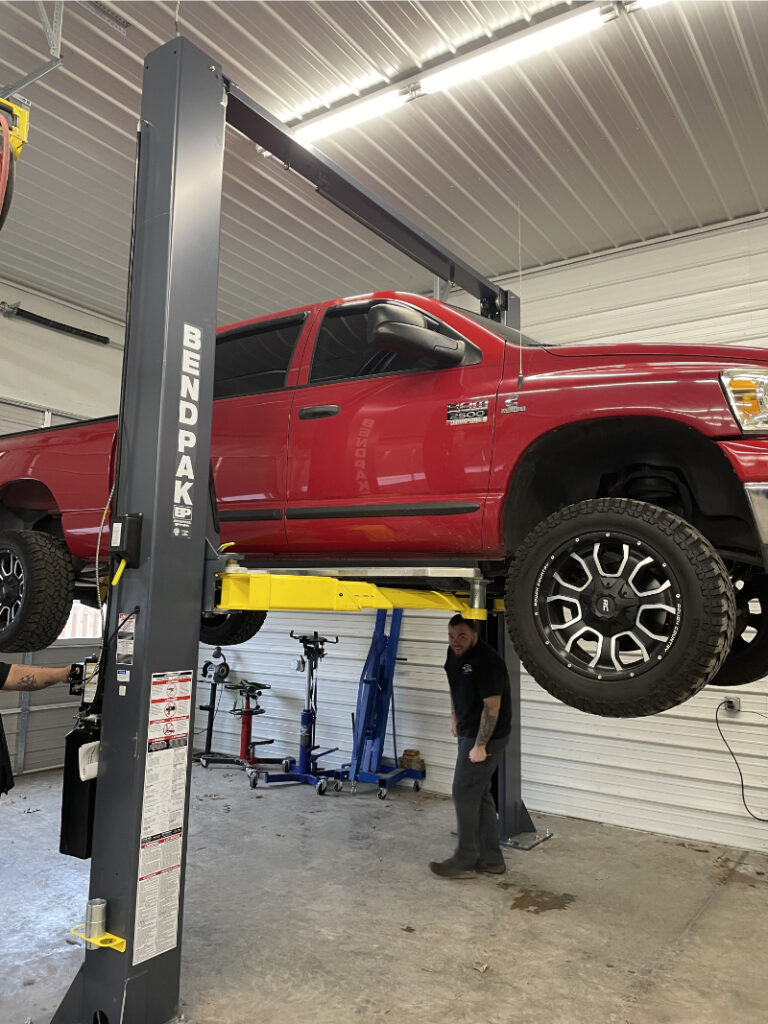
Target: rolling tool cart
{"x": 306, "y": 768}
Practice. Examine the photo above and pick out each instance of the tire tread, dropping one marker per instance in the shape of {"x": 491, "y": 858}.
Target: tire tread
{"x": 716, "y": 636}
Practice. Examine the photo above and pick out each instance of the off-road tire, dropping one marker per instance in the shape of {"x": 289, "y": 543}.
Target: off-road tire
{"x": 232, "y": 629}
{"x": 700, "y": 620}
{"x": 32, "y": 619}
{"x": 748, "y": 657}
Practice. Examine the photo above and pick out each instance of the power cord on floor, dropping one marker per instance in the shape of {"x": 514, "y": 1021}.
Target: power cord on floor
{"x": 722, "y": 704}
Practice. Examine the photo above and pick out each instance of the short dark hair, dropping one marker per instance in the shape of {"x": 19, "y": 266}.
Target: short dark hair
{"x": 459, "y": 620}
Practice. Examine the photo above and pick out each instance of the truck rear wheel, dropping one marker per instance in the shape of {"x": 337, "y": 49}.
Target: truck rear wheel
{"x": 37, "y": 587}
{"x": 227, "y": 630}
{"x": 619, "y": 608}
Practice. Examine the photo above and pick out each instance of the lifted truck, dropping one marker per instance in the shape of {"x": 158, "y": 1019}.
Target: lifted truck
{"x": 617, "y": 495}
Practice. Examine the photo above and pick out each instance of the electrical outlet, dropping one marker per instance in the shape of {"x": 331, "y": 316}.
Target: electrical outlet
{"x": 733, "y": 704}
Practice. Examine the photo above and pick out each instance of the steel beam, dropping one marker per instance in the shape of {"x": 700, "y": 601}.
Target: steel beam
{"x": 365, "y": 207}
{"x": 142, "y": 797}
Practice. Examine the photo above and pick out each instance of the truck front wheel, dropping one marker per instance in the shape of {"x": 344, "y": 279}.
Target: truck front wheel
{"x": 619, "y": 608}
{"x": 37, "y": 587}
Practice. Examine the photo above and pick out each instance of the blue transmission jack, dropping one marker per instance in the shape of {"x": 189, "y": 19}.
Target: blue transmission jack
{"x": 375, "y": 705}
{"x": 306, "y": 768}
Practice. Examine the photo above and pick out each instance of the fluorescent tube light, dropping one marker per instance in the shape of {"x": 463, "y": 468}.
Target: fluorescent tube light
{"x": 535, "y": 41}
{"x": 490, "y": 57}
{"x": 351, "y": 115}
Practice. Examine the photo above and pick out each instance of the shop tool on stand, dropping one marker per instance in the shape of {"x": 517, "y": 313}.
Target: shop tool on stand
{"x": 217, "y": 672}
{"x": 306, "y": 769}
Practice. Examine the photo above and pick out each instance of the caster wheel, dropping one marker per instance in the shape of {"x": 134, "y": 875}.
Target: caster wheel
{"x": 416, "y": 785}
{"x": 321, "y": 787}
{"x": 203, "y": 762}
{"x": 253, "y": 781}
{"x": 353, "y": 788}
{"x": 382, "y": 794}
{"x": 338, "y": 786}
{"x": 286, "y": 765}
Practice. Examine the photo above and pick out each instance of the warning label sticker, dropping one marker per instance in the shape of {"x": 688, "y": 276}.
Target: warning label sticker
{"x": 126, "y": 637}
{"x": 157, "y": 904}
{"x": 162, "y": 819}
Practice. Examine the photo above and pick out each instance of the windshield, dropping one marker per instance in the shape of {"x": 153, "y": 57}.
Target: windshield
{"x": 507, "y": 333}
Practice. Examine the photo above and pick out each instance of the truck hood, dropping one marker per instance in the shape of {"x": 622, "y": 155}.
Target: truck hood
{"x": 723, "y": 355}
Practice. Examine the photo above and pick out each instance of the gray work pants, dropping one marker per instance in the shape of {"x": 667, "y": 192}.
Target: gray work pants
{"x": 476, "y": 821}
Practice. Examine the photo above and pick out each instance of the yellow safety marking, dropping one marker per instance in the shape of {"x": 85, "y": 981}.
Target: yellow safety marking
{"x": 242, "y": 590}
{"x": 107, "y": 941}
{"x": 119, "y": 573}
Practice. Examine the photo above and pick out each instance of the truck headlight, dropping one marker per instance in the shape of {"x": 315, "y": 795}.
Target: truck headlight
{"x": 747, "y": 392}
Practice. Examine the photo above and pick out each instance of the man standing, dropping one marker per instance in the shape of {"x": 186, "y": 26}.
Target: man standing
{"x": 23, "y": 677}
{"x": 481, "y": 719}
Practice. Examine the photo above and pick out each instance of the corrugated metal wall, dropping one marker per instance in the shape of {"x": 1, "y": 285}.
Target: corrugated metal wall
{"x": 710, "y": 286}
{"x": 48, "y": 369}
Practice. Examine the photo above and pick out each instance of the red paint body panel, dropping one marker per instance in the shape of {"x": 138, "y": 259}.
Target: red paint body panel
{"x": 749, "y": 459}
{"x": 391, "y": 442}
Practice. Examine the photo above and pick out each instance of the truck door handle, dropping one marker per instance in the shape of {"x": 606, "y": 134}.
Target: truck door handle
{"x": 318, "y": 412}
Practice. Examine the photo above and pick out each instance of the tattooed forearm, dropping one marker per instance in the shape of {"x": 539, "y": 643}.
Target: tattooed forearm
{"x": 488, "y": 720}
{"x": 29, "y": 682}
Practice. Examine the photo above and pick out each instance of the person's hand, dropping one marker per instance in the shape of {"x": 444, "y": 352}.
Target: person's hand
{"x": 477, "y": 754}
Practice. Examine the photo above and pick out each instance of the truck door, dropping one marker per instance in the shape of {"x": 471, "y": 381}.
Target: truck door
{"x": 249, "y": 441}
{"x": 388, "y": 452}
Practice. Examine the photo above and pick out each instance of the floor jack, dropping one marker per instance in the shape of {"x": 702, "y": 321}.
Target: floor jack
{"x": 306, "y": 768}
{"x": 216, "y": 672}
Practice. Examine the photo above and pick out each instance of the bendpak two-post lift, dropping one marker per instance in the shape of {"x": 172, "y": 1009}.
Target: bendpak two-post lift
{"x": 164, "y": 528}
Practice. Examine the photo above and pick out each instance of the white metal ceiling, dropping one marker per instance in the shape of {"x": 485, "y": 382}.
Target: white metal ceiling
{"x": 656, "y": 123}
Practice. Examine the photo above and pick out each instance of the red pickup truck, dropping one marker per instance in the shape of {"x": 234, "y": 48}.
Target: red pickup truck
{"x": 616, "y": 494}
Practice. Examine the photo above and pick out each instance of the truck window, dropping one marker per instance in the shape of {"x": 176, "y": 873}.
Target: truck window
{"x": 342, "y": 351}
{"x": 252, "y": 360}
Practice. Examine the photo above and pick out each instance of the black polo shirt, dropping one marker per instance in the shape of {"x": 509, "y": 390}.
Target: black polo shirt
{"x": 6, "y": 775}
{"x": 479, "y": 673}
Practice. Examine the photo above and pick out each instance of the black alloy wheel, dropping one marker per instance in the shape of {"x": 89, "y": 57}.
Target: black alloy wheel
{"x": 36, "y": 590}
{"x": 748, "y": 657}
{"x": 619, "y": 608}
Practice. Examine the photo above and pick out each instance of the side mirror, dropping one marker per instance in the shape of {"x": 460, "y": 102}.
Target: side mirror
{"x": 401, "y": 329}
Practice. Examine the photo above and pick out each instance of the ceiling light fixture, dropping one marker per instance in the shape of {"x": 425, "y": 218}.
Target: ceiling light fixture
{"x": 572, "y": 23}
{"x": 529, "y": 42}
{"x": 487, "y": 57}
{"x": 354, "y": 113}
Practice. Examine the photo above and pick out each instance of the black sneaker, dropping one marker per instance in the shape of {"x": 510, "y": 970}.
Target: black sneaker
{"x": 449, "y": 869}
{"x": 491, "y": 869}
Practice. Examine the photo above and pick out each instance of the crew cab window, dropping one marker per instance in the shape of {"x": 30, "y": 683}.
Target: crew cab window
{"x": 342, "y": 351}
{"x": 252, "y": 360}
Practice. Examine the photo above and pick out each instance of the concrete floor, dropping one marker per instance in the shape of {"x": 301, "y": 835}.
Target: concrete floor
{"x": 320, "y": 910}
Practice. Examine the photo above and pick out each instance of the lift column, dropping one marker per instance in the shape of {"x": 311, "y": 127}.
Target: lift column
{"x": 142, "y": 794}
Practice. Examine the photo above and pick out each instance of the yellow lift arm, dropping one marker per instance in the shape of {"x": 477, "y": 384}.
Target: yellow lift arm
{"x": 247, "y": 590}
